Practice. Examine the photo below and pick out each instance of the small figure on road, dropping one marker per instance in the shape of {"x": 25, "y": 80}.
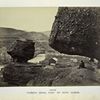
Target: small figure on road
{"x": 82, "y": 65}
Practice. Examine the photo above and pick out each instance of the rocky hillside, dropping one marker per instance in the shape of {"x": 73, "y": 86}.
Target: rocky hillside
{"x": 66, "y": 72}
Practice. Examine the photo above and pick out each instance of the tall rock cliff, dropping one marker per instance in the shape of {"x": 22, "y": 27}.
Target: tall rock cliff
{"x": 76, "y": 31}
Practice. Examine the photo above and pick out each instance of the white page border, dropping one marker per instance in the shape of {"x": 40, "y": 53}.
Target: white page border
{"x": 50, "y": 3}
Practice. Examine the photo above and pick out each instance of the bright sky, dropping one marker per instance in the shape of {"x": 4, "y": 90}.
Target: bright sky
{"x": 30, "y": 19}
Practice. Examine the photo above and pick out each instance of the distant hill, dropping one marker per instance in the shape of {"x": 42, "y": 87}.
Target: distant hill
{"x": 13, "y": 34}
{"x": 38, "y": 36}
{"x": 9, "y": 35}
{"x": 10, "y": 32}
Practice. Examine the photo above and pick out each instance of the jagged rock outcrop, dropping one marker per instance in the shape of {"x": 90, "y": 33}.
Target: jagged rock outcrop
{"x": 22, "y": 51}
{"x": 76, "y": 31}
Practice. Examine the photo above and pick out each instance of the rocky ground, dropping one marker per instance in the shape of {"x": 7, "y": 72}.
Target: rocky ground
{"x": 65, "y": 73}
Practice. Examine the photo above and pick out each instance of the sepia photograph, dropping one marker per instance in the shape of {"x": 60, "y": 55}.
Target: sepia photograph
{"x": 49, "y": 46}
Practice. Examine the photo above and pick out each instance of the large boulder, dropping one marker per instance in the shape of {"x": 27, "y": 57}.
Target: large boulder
{"x": 22, "y": 51}
{"x": 76, "y": 31}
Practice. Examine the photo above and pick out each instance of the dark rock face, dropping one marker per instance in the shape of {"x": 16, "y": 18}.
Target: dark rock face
{"x": 76, "y": 31}
{"x": 21, "y": 51}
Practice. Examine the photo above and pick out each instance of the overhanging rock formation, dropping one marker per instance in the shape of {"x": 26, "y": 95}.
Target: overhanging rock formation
{"x": 76, "y": 31}
{"x": 22, "y": 51}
